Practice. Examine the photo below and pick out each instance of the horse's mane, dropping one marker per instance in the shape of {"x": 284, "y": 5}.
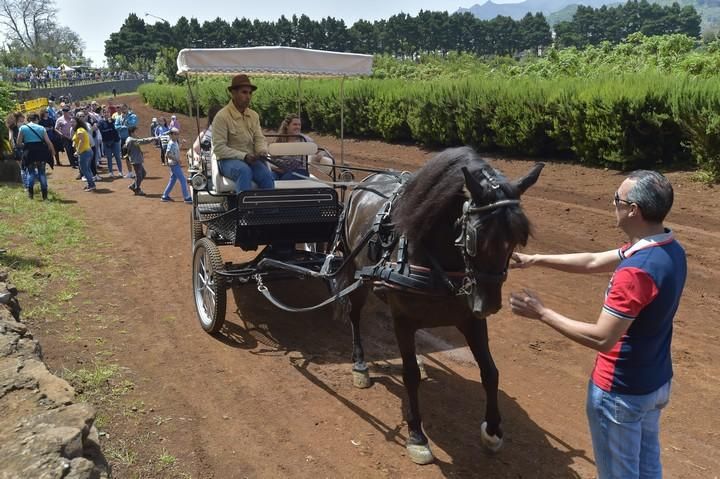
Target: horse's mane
{"x": 437, "y": 187}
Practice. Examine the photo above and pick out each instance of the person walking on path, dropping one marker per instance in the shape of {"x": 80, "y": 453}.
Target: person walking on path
{"x": 631, "y": 380}
{"x": 111, "y": 143}
{"x": 172, "y": 157}
{"x": 125, "y": 120}
{"x": 39, "y": 150}
{"x": 174, "y": 123}
{"x": 63, "y": 126}
{"x": 49, "y": 125}
{"x": 136, "y": 157}
{"x": 162, "y": 131}
{"x": 84, "y": 152}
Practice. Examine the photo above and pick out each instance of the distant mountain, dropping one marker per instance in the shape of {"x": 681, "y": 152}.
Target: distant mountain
{"x": 490, "y": 10}
{"x": 564, "y": 15}
{"x": 559, "y": 10}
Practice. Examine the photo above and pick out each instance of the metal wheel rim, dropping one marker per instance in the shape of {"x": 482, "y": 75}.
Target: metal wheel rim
{"x": 205, "y": 287}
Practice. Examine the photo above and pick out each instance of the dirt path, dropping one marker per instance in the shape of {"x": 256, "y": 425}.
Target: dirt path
{"x": 273, "y": 397}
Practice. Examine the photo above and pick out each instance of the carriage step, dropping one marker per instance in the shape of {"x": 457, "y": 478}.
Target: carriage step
{"x": 211, "y": 208}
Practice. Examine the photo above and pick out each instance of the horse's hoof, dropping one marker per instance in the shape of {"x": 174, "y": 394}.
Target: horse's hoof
{"x": 421, "y": 367}
{"x": 361, "y": 378}
{"x": 491, "y": 443}
{"x": 420, "y": 454}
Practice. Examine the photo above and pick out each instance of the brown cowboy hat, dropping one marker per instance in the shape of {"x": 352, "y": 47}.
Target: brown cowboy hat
{"x": 240, "y": 81}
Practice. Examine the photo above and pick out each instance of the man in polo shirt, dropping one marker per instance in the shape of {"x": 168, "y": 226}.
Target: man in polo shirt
{"x": 63, "y": 126}
{"x": 630, "y": 382}
{"x": 238, "y": 141}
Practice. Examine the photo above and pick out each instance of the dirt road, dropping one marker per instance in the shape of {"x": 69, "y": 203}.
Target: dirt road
{"x": 273, "y": 397}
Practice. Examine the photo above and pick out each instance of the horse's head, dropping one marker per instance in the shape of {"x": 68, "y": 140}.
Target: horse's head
{"x": 492, "y": 225}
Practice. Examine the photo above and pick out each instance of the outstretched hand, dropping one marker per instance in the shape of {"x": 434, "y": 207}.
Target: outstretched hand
{"x": 526, "y": 303}
{"x": 521, "y": 260}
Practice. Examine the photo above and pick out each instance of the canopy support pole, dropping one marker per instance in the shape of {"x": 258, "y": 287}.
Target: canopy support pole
{"x": 342, "y": 121}
{"x": 190, "y": 106}
{"x": 299, "y": 103}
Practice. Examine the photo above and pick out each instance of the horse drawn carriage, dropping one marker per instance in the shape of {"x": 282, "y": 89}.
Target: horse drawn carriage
{"x": 434, "y": 245}
{"x": 287, "y": 221}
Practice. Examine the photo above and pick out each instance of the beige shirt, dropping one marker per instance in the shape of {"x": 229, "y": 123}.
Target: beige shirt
{"x": 236, "y": 134}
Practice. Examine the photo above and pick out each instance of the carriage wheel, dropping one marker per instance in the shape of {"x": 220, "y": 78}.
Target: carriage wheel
{"x": 208, "y": 286}
{"x": 196, "y": 230}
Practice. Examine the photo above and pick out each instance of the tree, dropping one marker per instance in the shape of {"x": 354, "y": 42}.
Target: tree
{"x": 534, "y": 32}
{"x": 364, "y": 37}
{"x": 31, "y": 31}
{"x": 165, "y": 68}
{"x": 132, "y": 43}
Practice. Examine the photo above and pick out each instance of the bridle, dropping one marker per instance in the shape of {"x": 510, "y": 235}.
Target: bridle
{"x": 466, "y": 242}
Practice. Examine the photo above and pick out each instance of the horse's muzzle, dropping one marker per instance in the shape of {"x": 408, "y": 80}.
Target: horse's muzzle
{"x": 481, "y": 307}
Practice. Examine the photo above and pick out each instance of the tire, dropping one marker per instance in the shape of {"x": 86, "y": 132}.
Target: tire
{"x": 209, "y": 289}
{"x": 196, "y": 230}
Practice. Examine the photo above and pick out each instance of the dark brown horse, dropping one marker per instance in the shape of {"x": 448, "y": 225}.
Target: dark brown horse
{"x": 456, "y": 223}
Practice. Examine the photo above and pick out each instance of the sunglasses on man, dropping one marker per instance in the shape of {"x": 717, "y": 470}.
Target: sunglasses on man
{"x": 618, "y": 200}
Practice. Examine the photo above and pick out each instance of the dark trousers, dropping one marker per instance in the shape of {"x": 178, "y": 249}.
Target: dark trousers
{"x": 139, "y": 174}
{"x": 93, "y": 165}
{"x": 70, "y": 150}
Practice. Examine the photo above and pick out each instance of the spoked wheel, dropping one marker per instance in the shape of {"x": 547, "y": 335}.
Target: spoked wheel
{"x": 208, "y": 286}
{"x": 196, "y": 229}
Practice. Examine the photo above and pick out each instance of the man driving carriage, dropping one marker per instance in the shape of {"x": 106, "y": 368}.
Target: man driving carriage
{"x": 238, "y": 140}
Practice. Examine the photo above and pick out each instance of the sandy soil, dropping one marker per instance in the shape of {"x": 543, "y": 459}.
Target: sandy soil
{"x": 273, "y": 396}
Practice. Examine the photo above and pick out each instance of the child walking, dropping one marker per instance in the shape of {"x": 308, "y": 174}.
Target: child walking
{"x": 135, "y": 155}
{"x": 172, "y": 157}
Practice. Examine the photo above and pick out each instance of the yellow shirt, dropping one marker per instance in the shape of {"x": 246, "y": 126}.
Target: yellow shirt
{"x": 236, "y": 134}
{"x": 81, "y": 143}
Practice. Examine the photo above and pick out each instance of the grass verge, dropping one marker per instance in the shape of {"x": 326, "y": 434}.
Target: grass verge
{"x": 49, "y": 256}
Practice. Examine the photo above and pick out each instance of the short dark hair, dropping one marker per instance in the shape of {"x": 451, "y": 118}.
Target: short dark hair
{"x": 131, "y": 129}
{"x": 653, "y": 194}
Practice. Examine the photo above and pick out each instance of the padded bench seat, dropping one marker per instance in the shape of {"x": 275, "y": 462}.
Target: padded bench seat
{"x": 222, "y": 184}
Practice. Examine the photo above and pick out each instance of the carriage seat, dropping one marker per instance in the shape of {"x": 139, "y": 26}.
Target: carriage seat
{"x": 222, "y": 184}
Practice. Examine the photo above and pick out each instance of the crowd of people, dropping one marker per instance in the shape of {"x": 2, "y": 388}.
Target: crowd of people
{"x": 93, "y": 137}
{"x": 50, "y": 77}
{"x": 96, "y": 137}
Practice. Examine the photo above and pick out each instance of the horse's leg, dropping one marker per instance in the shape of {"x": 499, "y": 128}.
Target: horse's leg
{"x": 476, "y": 334}
{"x": 361, "y": 374}
{"x": 417, "y": 443}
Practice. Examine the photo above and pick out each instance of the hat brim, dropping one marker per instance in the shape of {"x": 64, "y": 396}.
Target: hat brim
{"x": 231, "y": 87}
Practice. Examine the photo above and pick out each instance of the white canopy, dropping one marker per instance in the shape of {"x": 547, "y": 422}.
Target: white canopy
{"x": 272, "y": 60}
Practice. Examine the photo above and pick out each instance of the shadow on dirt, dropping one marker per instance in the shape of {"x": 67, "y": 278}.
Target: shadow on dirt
{"x": 452, "y": 406}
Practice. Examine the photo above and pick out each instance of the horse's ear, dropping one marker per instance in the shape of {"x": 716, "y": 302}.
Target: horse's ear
{"x": 473, "y": 185}
{"x": 528, "y": 180}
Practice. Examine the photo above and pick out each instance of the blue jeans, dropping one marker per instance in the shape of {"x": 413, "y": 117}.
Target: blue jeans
{"x": 625, "y": 432}
{"x": 113, "y": 149}
{"x": 243, "y": 174}
{"x": 85, "y": 159}
{"x": 176, "y": 174}
{"x": 39, "y": 173}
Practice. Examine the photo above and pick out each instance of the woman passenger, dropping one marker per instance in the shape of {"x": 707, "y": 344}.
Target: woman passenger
{"x": 290, "y": 165}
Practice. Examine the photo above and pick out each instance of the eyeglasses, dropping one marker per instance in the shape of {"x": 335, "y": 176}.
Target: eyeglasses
{"x": 617, "y": 200}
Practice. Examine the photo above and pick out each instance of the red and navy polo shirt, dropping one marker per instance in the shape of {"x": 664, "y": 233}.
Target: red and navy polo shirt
{"x": 645, "y": 289}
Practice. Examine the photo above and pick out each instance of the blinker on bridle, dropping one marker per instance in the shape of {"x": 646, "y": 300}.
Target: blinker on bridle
{"x": 467, "y": 240}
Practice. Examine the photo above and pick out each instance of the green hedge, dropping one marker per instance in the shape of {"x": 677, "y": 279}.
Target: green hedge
{"x": 638, "y": 120}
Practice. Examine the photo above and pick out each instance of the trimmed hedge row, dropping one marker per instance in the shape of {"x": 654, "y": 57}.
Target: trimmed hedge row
{"x": 649, "y": 120}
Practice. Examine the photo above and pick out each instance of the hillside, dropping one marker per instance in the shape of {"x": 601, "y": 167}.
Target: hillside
{"x": 559, "y": 10}
{"x": 489, "y": 9}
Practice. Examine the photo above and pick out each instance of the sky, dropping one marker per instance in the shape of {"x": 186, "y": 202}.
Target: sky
{"x": 94, "y": 20}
